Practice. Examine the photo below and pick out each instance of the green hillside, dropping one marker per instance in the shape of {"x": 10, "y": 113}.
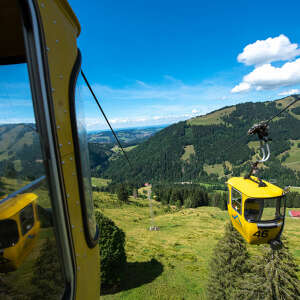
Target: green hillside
{"x": 207, "y": 148}
{"x": 172, "y": 263}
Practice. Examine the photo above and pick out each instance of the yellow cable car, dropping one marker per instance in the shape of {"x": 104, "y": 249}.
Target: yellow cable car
{"x": 257, "y": 207}
{"x": 257, "y": 212}
{"x": 42, "y": 35}
{"x": 19, "y": 228}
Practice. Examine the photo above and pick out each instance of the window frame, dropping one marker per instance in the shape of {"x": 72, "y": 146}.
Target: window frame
{"x": 91, "y": 241}
{"x": 40, "y": 83}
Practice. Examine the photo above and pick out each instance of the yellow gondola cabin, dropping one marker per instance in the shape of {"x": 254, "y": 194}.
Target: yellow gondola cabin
{"x": 19, "y": 228}
{"x": 39, "y": 49}
{"x": 247, "y": 203}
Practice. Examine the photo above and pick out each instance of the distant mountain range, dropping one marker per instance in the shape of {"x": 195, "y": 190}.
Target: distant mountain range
{"x": 213, "y": 147}
{"x": 127, "y": 136}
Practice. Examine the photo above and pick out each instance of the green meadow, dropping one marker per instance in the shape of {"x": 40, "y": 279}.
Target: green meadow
{"x": 172, "y": 263}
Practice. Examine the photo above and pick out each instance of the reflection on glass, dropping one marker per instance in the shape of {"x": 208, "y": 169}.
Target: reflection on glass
{"x": 264, "y": 209}
{"x": 84, "y": 159}
{"x": 26, "y": 227}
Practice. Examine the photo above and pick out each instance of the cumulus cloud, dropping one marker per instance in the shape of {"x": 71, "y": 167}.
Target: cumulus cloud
{"x": 272, "y": 49}
{"x": 269, "y": 77}
{"x": 265, "y": 76}
{"x": 290, "y": 92}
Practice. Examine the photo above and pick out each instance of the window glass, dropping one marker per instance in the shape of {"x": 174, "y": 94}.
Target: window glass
{"x": 26, "y": 218}
{"x": 264, "y": 209}
{"x": 236, "y": 200}
{"x": 85, "y": 176}
{"x": 25, "y": 263}
{"x": 8, "y": 233}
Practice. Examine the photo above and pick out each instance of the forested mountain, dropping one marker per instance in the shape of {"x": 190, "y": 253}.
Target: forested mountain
{"x": 203, "y": 149}
{"x": 20, "y": 149}
{"x": 207, "y": 148}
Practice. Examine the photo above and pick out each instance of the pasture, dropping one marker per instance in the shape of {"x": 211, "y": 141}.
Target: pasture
{"x": 173, "y": 263}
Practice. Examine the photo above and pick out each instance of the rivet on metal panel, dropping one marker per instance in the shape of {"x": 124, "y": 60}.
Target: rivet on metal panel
{"x": 68, "y": 195}
{"x": 78, "y": 268}
{"x": 53, "y": 89}
{"x": 62, "y": 162}
{"x": 47, "y": 48}
{"x": 73, "y": 174}
{"x": 60, "y": 145}
{"x": 61, "y": 76}
{"x": 42, "y": 5}
{"x": 58, "y": 127}
{"x": 57, "y": 41}
{"x": 77, "y": 202}
{"x": 73, "y": 226}
{"x": 71, "y": 158}
{"x": 65, "y": 111}
{"x": 54, "y": 21}
{"x": 69, "y": 143}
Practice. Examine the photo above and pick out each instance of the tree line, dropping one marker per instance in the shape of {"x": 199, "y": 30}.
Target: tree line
{"x": 235, "y": 275}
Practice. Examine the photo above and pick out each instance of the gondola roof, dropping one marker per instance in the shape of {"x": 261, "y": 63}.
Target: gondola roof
{"x": 251, "y": 188}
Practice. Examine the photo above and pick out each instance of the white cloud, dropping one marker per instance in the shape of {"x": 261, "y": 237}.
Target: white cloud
{"x": 243, "y": 86}
{"x": 269, "y": 77}
{"x": 265, "y": 76}
{"x": 272, "y": 49}
{"x": 290, "y": 92}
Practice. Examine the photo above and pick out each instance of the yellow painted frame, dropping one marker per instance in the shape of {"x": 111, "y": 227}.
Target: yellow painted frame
{"x": 61, "y": 29}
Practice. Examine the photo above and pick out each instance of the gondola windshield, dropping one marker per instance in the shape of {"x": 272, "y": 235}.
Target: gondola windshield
{"x": 9, "y": 235}
{"x": 255, "y": 212}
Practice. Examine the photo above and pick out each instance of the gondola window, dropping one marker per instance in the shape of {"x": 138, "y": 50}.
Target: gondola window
{"x": 236, "y": 200}
{"x": 27, "y": 218}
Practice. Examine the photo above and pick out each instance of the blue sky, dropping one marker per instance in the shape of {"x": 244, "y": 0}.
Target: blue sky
{"x": 157, "y": 62}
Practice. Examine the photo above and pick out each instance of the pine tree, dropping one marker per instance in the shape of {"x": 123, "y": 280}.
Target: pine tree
{"x": 112, "y": 251}
{"x": 273, "y": 277}
{"x": 228, "y": 264}
{"x": 123, "y": 193}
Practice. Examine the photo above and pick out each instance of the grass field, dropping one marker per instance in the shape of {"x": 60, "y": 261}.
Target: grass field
{"x": 212, "y": 118}
{"x": 188, "y": 150}
{"x": 172, "y": 263}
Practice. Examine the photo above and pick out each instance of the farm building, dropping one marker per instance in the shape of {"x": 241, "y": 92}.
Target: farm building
{"x": 294, "y": 213}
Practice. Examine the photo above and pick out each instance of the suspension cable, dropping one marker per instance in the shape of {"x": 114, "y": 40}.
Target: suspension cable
{"x": 103, "y": 113}
{"x": 293, "y": 102}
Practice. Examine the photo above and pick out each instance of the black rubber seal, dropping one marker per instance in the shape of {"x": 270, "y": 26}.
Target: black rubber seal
{"x": 91, "y": 241}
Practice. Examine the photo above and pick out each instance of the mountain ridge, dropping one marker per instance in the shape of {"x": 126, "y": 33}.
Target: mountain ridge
{"x": 160, "y": 157}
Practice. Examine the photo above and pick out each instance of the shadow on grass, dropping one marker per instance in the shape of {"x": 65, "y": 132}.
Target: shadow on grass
{"x": 136, "y": 274}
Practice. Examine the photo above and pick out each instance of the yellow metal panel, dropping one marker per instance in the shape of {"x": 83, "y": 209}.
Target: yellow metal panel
{"x": 14, "y": 205}
{"x": 60, "y": 32}
{"x": 251, "y": 189}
